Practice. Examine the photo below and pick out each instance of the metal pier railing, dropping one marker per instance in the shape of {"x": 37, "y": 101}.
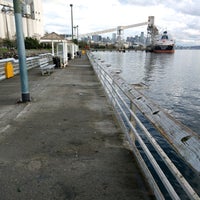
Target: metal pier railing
{"x": 129, "y": 104}
{"x": 31, "y": 62}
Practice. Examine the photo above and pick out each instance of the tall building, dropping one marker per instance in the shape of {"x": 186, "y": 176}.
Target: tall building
{"x": 32, "y": 19}
{"x": 96, "y": 38}
{"x": 114, "y": 37}
{"x": 142, "y": 38}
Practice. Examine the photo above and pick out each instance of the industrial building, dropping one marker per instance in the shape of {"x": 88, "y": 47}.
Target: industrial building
{"x": 32, "y": 18}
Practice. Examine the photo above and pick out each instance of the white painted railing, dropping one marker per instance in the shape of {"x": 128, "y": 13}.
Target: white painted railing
{"x": 127, "y": 102}
{"x": 31, "y": 62}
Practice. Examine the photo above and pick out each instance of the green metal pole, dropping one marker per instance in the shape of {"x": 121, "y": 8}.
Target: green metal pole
{"x": 21, "y": 51}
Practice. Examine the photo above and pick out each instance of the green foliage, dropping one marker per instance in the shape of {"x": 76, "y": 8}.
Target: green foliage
{"x": 32, "y": 43}
{"x": 9, "y": 44}
{"x": 45, "y": 46}
{"x": 82, "y": 44}
{"x": 75, "y": 41}
{"x": 8, "y": 48}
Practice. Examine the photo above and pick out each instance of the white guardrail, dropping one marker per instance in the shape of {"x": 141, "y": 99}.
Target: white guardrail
{"x": 31, "y": 62}
{"x": 127, "y": 103}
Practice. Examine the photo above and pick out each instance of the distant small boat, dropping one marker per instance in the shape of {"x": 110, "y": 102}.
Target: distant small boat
{"x": 163, "y": 43}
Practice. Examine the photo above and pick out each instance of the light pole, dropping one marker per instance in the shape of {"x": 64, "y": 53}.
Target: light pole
{"x": 76, "y": 31}
{"x": 21, "y": 51}
{"x": 71, "y": 5}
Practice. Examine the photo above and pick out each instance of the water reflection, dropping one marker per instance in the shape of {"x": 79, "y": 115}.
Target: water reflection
{"x": 156, "y": 65}
{"x": 173, "y": 79}
{"x": 149, "y": 67}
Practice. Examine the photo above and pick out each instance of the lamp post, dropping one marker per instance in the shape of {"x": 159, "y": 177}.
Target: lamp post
{"x": 21, "y": 51}
{"x": 76, "y": 31}
{"x": 71, "y": 5}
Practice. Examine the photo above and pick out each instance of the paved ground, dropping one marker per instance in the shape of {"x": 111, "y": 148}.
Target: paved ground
{"x": 65, "y": 143}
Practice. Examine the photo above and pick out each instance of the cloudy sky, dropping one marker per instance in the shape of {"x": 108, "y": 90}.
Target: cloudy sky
{"x": 180, "y": 17}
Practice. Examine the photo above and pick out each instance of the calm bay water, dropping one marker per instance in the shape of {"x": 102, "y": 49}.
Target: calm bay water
{"x": 172, "y": 80}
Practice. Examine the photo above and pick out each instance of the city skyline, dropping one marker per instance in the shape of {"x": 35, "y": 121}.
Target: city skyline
{"x": 106, "y": 39}
{"x": 180, "y": 18}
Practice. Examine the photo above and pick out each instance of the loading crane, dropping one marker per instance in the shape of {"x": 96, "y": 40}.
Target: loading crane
{"x": 119, "y": 29}
{"x": 151, "y": 30}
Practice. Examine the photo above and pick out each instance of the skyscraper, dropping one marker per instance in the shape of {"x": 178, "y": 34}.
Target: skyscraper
{"x": 114, "y": 37}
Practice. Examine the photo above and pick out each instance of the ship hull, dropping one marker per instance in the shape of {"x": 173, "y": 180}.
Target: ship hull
{"x": 163, "y": 49}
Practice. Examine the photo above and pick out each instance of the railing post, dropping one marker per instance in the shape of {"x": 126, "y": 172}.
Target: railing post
{"x": 132, "y": 121}
{"x": 113, "y": 93}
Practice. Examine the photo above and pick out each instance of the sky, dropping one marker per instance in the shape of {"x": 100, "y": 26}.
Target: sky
{"x": 181, "y": 18}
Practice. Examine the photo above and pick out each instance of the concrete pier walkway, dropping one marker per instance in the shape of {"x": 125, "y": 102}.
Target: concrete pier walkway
{"x": 65, "y": 143}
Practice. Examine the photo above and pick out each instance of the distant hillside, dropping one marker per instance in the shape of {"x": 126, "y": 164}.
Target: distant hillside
{"x": 187, "y": 47}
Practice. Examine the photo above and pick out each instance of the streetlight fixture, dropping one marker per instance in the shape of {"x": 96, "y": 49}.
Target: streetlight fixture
{"x": 71, "y": 5}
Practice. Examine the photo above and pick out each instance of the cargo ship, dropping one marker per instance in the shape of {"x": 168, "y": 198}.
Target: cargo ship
{"x": 163, "y": 43}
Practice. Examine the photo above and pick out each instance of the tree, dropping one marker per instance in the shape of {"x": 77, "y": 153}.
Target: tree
{"x": 82, "y": 44}
{"x": 31, "y": 43}
{"x": 9, "y": 44}
{"x": 75, "y": 41}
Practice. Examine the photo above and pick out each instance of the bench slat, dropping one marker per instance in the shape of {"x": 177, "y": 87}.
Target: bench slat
{"x": 45, "y": 66}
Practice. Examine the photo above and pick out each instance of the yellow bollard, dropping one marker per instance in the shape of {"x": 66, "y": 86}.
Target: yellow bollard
{"x": 83, "y": 52}
{"x": 9, "y": 70}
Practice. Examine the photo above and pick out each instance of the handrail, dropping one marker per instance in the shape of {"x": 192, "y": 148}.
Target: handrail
{"x": 117, "y": 90}
{"x": 31, "y": 62}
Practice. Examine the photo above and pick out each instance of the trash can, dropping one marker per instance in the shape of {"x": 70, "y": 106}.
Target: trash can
{"x": 56, "y": 61}
{"x": 69, "y": 55}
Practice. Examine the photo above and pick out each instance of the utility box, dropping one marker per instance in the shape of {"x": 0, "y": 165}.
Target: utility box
{"x": 9, "y": 72}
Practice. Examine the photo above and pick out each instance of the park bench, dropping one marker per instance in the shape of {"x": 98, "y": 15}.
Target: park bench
{"x": 45, "y": 66}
